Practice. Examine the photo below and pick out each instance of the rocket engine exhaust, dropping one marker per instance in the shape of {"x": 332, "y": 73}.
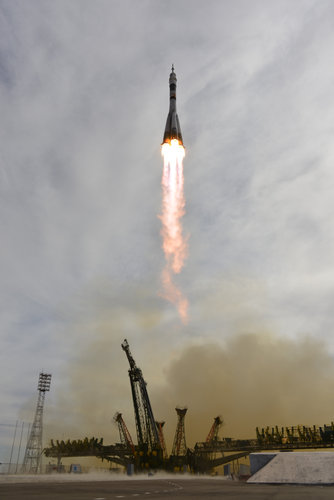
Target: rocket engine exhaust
{"x": 173, "y": 205}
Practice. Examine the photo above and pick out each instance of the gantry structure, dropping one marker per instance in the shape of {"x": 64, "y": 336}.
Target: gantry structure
{"x": 124, "y": 434}
{"x": 213, "y": 433}
{"x": 146, "y": 427}
{"x": 162, "y": 439}
{"x": 32, "y": 462}
{"x": 150, "y": 452}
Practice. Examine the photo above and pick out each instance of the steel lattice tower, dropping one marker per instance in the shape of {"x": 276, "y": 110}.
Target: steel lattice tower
{"x": 124, "y": 433}
{"x": 179, "y": 445}
{"x": 213, "y": 433}
{"x": 147, "y": 432}
{"x": 33, "y": 455}
{"x": 162, "y": 438}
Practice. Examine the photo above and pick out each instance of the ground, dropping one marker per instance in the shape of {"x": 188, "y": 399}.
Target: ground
{"x": 168, "y": 487}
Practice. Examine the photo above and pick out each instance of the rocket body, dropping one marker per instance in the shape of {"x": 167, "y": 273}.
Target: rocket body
{"x": 172, "y": 129}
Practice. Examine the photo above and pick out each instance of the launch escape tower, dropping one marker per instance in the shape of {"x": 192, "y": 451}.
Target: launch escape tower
{"x": 32, "y": 461}
{"x": 147, "y": 431}
{"x": 179, "y": 445}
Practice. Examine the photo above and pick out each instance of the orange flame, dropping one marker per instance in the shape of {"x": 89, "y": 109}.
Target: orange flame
{"x": 173, "y": 203}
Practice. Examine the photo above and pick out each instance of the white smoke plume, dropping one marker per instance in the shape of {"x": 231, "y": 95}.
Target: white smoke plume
{"x": 174, "y": 243}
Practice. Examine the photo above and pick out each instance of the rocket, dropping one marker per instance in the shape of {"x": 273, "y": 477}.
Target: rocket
{"x": 172, "y": 129}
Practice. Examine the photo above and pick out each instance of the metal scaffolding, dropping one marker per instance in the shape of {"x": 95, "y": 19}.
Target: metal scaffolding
{"x": 147, "y": 432}
{"x": 179, "y": 445}
{"x": 151, "y": 454}
{"x": 162, "y": 439}
{"x": 124, "y": 433}
{"x": 213, "y": 433}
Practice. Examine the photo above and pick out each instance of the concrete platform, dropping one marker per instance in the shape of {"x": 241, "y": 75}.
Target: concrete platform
{"x": 259, "y": 460}
{"x": 297, "y": 468}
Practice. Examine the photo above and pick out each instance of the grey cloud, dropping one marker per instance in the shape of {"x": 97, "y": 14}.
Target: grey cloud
{"x": 84, "y": 97}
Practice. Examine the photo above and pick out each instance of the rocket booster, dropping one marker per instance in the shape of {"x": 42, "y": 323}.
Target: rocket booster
{"x": 172, "y": 129}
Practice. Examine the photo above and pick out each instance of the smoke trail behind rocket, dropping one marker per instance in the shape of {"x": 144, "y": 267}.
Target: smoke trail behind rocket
{"x": 173, "y": 204}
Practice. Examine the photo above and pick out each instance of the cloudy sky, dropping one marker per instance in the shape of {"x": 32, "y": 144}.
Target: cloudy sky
{"x": 83, "y": 100}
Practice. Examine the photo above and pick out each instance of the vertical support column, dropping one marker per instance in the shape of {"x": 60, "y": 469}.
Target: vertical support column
{"x": 179, "y": 445}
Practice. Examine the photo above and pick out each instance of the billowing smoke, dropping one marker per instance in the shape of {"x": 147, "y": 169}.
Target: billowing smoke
{"x": 250, "y": 380}
{"x": 174, "y": 244}
{"x": 254, "y": 380}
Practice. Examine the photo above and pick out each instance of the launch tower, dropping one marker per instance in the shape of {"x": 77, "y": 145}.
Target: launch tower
{"x": 147, "y": 431}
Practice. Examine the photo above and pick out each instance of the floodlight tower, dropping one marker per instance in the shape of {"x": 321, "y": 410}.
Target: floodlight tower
{"x": 33, "y": 455}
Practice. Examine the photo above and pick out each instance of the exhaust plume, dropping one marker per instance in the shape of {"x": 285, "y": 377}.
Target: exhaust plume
{"x": 173, "y": 202}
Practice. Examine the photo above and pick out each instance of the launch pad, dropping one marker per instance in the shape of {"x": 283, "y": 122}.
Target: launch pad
{"x": 150, "y": 451}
